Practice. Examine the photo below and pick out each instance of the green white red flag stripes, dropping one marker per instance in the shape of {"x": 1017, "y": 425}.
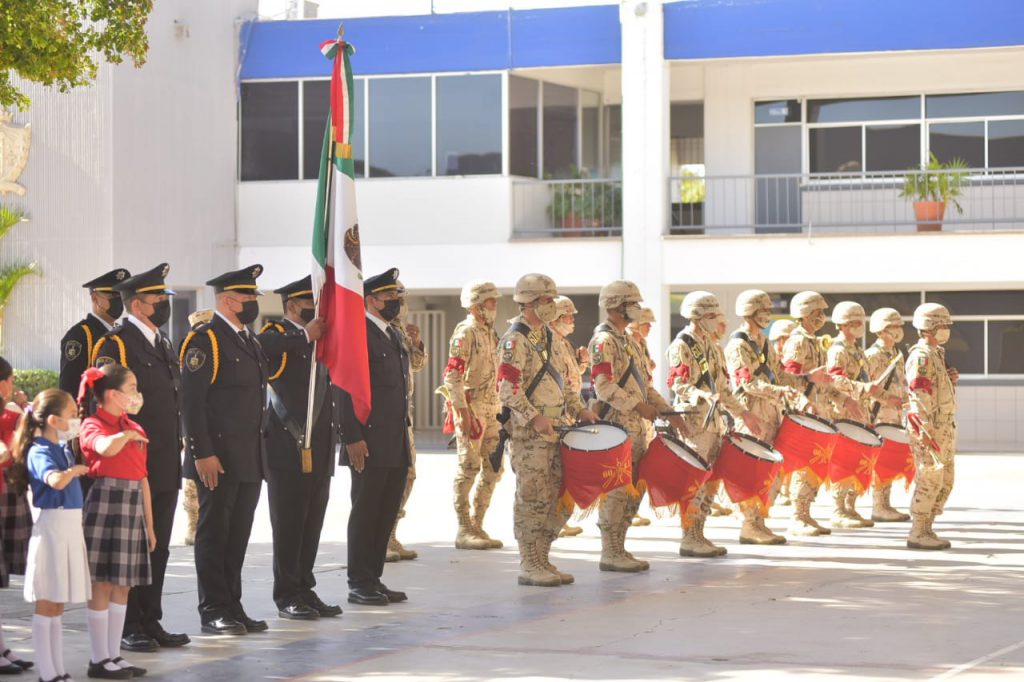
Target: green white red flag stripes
{"x": 337, "y": 265}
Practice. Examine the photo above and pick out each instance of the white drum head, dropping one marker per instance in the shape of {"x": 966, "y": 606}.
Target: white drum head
{"x": 811, "y": 423}
{"x": 684, "y": 453}
{"x": 595, "y": 437}
{"x": 754, "y": 448}
{"x": 893, "y": 432}
{"x": 859, "y": 433}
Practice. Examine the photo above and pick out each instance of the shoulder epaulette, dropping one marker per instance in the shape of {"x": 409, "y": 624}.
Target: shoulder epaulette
{"x": 88, "y": 340}
{"x": 214, "y": 348}
{"x": 284, "y": 356}
{"x": 122, "y": 352}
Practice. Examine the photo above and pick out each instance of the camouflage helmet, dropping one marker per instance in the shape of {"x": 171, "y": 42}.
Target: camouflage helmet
{"x": 846, "y": 312}
{"x": 780, "y": 329}
{"x": 752, "y": 300}
{"x": 533, "y": 286}
{"x": 565, "y": 306}
{"x": 805, "y": 303}
{"x": 697, "y": 304}
{"x": 618, "y": 292}
{"x": 928, "y": 316}
{"x": 646, "y": 316}
{"x": 882, "y": 318}
{"x": 478, "y": 292}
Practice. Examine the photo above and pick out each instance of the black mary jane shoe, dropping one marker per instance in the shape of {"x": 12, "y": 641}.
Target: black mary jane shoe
{"x": 11, "y": 669}
{"x": 23, "y": 664}
{"x": 298, "y": 611}
{"x": 325, "y": 610}
{"x": 136, "y": 670}
{"x": 99, "y": 671}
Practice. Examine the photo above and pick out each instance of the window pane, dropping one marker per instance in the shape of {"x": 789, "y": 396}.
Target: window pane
{"x": 965, "y": 141}
{"x": 777, "y": 150}
{"x": 686, "y": 133}
{"x": 979, "y": 302}
{"x": 875, "y": 109}
{"x": 182, "y": 305}
{"x": 835, "y": 150}
{"x": 903, "y": 301}
{"x": 893, "y": 147}
{"x": 783, "y": 111}
{"x": 977, "y": 104}
{"x": 270, "y": 131}
{"x": 613, "y": 152}
{"x": 469, "y": 125}
{"x": 315, "y": 105}
{"x": 1006, "y": 347}
{"x": 590, "y": 110}
{"x": 522, "y": 126}
{"x": 1005, "y": 144}
{"x": 400, "y": 125}
{"x": 559, "y": 130}
{"x": 966, "y": 347}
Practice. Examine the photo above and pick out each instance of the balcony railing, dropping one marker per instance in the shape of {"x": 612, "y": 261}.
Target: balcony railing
{"x": 836, "y": 203}
{"x": 590, "y": 207}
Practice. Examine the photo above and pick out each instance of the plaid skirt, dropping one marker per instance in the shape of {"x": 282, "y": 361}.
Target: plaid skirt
{"x": 115, "y": 532}
{"x": 15, "y": 531}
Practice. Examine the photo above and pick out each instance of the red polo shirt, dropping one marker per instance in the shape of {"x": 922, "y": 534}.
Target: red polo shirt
{"x": 8, "y": 422}
{"x": 128, "y": 464}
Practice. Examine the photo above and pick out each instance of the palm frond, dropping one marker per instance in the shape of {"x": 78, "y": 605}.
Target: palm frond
{"x": 11, "y": 275}
{"x": 9, "y": 217}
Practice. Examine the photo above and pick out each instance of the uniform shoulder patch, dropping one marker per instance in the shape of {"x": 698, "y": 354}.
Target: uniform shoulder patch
{"x": 72, "y": 349}
{"x": 104, "y": 360}
{"x": 195, "y": 358}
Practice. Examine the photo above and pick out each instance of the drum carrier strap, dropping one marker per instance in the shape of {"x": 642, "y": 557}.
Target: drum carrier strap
{"x": 878, "y": 403}
{"x": 631, "y": 371}
{"x": 706, "y": 380}
{"x": 761, "y": 353}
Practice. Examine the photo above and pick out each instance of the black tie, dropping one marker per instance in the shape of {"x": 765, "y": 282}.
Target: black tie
{"x": 393, "y": 335}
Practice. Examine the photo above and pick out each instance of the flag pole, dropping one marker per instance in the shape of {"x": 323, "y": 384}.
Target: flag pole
{"x": 307, "y": 437}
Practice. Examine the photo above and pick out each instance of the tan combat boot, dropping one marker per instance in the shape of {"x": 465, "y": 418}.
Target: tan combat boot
{"x": 694, "y": 543}
{"x": 467, "y": 537}
{"x": 779, "y": 540}
{"x": 802, "y": 524}
{"x": 720, "y": 510}
{"x": 621, "y": 537}
{"x": 931, "y": 533}
{"x": 640, "y": 521}
{"x": 396, "y": 547}
{"x": 543, "y": 554}
{"x": 531, "y": 571}
{"x": 882, "y": 510}
{"x": 841, "y": 517}
{"x": 492, "y": 543}
{"x": 613, "y": 555}
{"x": 753, "y": 532}
{"x": 851, "y": 509}
{"x": 569, "y": 531}
{"x": 919, "y": 537}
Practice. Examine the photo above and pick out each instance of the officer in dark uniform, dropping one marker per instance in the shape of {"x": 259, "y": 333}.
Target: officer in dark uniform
{"x": 224, "y": 381}
{"x": 138, "y": 343}
{"x": 297, "y": 488}
{"x": 378, "y": 451}
{"x": 76, "y": 348}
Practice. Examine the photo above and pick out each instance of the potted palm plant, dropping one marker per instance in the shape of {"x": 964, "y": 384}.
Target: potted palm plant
{"x": 582, "y": 204}
{"x": 933, "y": 186}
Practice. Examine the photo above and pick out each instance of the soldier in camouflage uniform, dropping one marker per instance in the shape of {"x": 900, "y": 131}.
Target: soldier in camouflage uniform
{"x": 887, "y": 325}
{"x": 639, "y": 331}
{"x": 469, "y": 380}
{"x": 932, "y": 423}
{"x": 845, "y": 358}
{"x": 778, "y": 334}
{"x": 571, "y": 370}
{"x": 698, "y": 378}
{"x": 626, "y": 397}
{"x": 190, "y": 497}
{"x": 537, "y": 400}
{"x": 410, "y": 335}
{"x": 754, "y": 370}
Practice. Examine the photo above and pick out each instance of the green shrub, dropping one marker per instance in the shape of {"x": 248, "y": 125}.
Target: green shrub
{"x": 32, "y": 381}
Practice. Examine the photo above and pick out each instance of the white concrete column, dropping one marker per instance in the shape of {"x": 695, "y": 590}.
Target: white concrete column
{"x": 645, "y": 121}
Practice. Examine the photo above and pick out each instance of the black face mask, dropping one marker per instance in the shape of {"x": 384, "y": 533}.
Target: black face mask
{"x": 161, "y": 313}
{"x": 391, "y": 309}
{"x": 306, "y": 314}
{"x": 115, "y": 306}
{"x": 250, "y": 311}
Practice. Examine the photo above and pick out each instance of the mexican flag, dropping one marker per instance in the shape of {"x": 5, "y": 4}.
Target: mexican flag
{"x": 337, "y": 267}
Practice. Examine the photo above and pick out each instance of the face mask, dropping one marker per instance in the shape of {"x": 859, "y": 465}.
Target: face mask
{"x": 942, "y": 336}
{"x": 250, "y": 311}
{"x": 896, "y": 334}
{"x": 391, "y": 309}
{"x": 563, "y": 328}
{"x": 161, "y": 313}
{"x": 488, "y": 315}
{"x": 115, "y": 306}
{"x": 547, "y": 312}
{"x": 134, "y": 405}
{"x": 710, "y": 326}
{"x": 74, "y": 426}
{"x": 762, "y": 319}
{"x": 631, "y": 311}
{"x": 817, "y": 320}
{"x": 306, "y": 314}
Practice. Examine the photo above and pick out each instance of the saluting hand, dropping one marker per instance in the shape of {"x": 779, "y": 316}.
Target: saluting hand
{"x": 209, "y": 470}
{"x": 357, "y": 454}
{"x": 414, "y": 334}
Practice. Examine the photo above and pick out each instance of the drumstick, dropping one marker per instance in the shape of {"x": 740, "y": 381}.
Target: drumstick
{"x": 709, "y": 415}
{"x": 675, "y": 412}
{"x": 581, "y": 429}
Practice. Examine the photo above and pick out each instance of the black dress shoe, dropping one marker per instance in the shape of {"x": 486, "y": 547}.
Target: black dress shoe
{"x": 11, "y": 669}
{"x": 21, "y": 663}
{"x": 298, "y": 611}
{"x": 135, "y": 670}
{"x": 252, "y": 625}
{"x": 365, "y": 596}
{"x": 139, "y": 641}
{"x": 167, "y": 640}
{"x": 394, "y": 596}
{"x": 223, "y": 626}
{"x": 325, "y": 610}
{"x": 99, "y": 671}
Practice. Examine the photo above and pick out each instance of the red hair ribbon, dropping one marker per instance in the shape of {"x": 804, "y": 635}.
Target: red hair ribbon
{"x": 89, "y": 379}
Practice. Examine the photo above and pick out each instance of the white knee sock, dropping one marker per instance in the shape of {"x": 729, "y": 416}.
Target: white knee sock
{"x": 41, "y": 639}
{"x": 57, "y": 644}
{"x": 97, "y": 624}
{"x": 115, "y": 627}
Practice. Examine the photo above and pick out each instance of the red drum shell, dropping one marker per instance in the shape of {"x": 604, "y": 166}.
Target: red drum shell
{"x": 747, "y": 467}
{"x": 806, "y": 443}
{"x": 853, "y": 458}
{"x": 672, "y": 472}
{"x": 593, "y": 465}
{"x": 895, "y": 459}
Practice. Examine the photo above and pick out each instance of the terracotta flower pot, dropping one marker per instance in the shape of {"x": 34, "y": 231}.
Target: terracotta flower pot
{"x": 929, "y": 215}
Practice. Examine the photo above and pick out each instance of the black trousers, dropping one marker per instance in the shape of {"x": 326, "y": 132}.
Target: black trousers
{"x": 222, "y": 536}
{"x": 376, "y": 497}
{"x": 145, "y": 607}
{"x": 298, "y": 504}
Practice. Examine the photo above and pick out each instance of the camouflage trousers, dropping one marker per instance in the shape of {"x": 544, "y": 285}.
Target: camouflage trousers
{"x": 537, "y": 466}
{"x": 190, "y": 503}
{"x": 474, "y": 465}
{"x": 410, "y": 478}
{"x": 933, "y": 483}
{"x": 620, "y": 506}
{"x": 707, "y": 444}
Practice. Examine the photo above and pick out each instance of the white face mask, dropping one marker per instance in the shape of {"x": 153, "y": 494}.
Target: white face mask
{"x": 709, "y": 325}
{"x": 632, "y": 312}
{"x": 564, "y": 328}
{"x": 74, "y": 426}
{"x": 762, "y": 318}
{"x": 488, "y": 315}
{"x": 942, "y": 336}
{"x": 896, "y": 333}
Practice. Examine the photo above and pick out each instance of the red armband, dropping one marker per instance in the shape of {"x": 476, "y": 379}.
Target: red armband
{"x": 921, "y": 384}
{"x": 681, "y": 372}
{"x": 793, "y": 367}
{"x": 837, "y": 371}
{"x": 742, "y": 375}
{"x": 509, "y": 373}
{"x": 457, "y": 365}
{"x": 604, "y": 368}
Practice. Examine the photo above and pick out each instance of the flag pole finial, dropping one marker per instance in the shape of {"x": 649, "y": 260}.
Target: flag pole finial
{"x": 341, "y": 30}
